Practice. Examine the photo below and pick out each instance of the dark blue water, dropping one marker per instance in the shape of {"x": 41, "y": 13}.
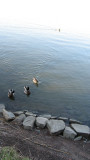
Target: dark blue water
{"x": 61, "y": 63}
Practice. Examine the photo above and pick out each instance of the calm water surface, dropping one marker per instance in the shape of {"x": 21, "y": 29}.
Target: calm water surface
{"x": 61, "y": 63}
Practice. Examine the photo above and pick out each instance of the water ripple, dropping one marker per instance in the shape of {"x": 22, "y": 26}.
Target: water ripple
{"x": 61, "y": 64}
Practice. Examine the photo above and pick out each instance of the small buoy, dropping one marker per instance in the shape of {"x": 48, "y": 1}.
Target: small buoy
{"x": 26, "y": 90}
{"x": 11, "y": 93}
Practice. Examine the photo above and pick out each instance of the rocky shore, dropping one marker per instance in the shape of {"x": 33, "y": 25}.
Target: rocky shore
{"x": 35, "y": 136}
{"x": 68, "y": 128}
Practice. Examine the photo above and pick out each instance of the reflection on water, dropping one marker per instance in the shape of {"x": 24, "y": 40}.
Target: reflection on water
{"x": 59, "y": 61}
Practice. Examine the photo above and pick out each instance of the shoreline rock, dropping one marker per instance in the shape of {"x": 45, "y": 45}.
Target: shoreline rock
{"x": 8, "y": 115}
{"x": 29, "y": 120}
{"x": 74, "y": 121}
{"x": 81, "y": 130}
{"x": 48, "y": 116}
{"x": 30, "y": 114}
{"x": 2, "y": 106}
{"x": 41, "y": 122}
{"x": 69, "y": 133}
{"x": 28, "y": 123}
{"x": 18, "y": 113}
{"x": 55, "y": 127}
{"x": 63, "y": 118}
{"x": 20, "y": 118}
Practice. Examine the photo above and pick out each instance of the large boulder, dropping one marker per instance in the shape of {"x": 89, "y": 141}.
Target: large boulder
{"x": 28, "y": 123}
{"x": 2, "y": 106}
{"x": 55, "y": 126}
{"x": 8, "y": 115}
{"x": 69, "y": 133}
{"x": 20, "y": 118}
{"x": 41, "y": 122}
{"x": 82, "y": 130}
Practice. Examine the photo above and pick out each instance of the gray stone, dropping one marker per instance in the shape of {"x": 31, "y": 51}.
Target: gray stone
{"x": 28, "y": 123}
{"x": 30, "y": 114}
{"x": 41, "y": 122}
{"x": 8, "y": 115}
{"x": 20, "y": 118}
{"x": 78, "y": 138}
{"x": 63, "y": 118}
{"x": 2, "y": 106}
{"x": 53, "y": 117}
{"x": 82, "y": 130}
{"x": 69, "y": 133}
{"x": 74, "y": 121}
{"x": 17, "y": 113}
{"x": 48, "y": 116}
{"x": 55, "y": 126}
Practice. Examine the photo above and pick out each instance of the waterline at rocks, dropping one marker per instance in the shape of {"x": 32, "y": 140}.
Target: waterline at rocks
{"x": 73, "y": 130}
